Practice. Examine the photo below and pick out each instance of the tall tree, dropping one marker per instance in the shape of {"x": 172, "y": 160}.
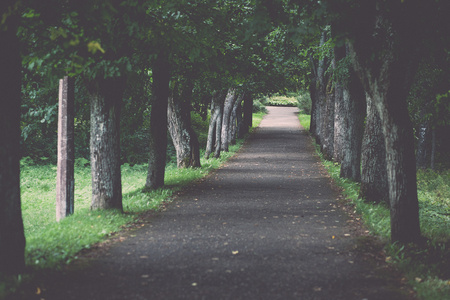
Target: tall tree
{"x": 215, "y": 125}
{"x": 247, "y": 108}
{"x": 12, "y": 239}
{"x": 183, "y": 135}
{"x": 105, "y": 101}
{"x": 158, "y": 121}
{"x": 226, "y": 118}
{"x": 383, "y": 54}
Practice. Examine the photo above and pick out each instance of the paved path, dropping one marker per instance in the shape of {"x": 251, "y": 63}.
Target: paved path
{"x": 265, "y": 226}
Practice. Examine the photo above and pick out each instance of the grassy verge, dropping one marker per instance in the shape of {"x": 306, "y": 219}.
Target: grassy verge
{"x": 51, "y": 244}
{"x": 426, "y": 267}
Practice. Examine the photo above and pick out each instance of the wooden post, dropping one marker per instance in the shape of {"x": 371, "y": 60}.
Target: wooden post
{"x": 65, "y": 181}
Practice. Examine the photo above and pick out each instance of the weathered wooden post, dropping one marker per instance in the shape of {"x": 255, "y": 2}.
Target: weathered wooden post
{"x": 65, "y": 182}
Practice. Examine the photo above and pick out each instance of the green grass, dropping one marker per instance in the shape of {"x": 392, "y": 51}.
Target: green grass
{"x": 305, "y": 120}
{"x": 427, "y": 267}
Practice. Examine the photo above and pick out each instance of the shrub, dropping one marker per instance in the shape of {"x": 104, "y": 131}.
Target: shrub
{"x": 304, "y": 102}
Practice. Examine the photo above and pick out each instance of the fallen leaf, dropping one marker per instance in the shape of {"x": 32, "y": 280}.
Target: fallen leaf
{"x": 235, "y": 252}
{"x": 38, "y": 291}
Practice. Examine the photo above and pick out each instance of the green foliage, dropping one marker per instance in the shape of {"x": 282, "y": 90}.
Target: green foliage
{"x": 258, "y": 106}
{"x": 305, "y": 121}
{"x": 434, "y": 198}
{"x": 432, "y": 288}
{"x": 200, "y": 127}
{"x": 304, "y": 102}
{"x": 279, "y": 100}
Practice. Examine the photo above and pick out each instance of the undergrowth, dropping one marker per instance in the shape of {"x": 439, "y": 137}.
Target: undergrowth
{"x": 426, "y": 266}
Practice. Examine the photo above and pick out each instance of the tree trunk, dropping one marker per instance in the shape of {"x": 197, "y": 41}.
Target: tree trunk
{"x": 386, "y": 62}
{"x": 314, "y": 100}
{"x": 105, "y": 100}
{"x": 247, "y": 121}
{"x": 228, "y": 107}
{"x": 215, "y": 126}
{"x": 374, "y": 182}
{"x": 327, "y": 121}
{"x": 211, "y": 129}
{"x": 341, "y": 122}
{"x": 235, "y": 117}
{"x": 180, "y": 127}
{"x": 318, "y": 96}
{"x": 354, "y": 100}
{"x": 65, "y": 181}
{"x": 12, "y": 238}
{"x": 218, "y": 143}
{"x": 158, "y": 123}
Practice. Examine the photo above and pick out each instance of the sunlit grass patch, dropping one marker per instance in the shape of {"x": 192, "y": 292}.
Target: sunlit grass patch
{"x": 282, "y": 101}
{"x": 305, "y": 121}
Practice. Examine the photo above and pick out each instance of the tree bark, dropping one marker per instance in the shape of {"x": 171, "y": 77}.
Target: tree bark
{"x": 215, "y": 125}
{"x": 12, "y": 238}
{"x": 65, "y": 181}
{"x": 158, "y": 123}
{"x": 341, "y": 122}
{"x": 218, "y": 134}
{"x": 105, "y": 100}
{"x": 235, "y": 117}
{"x": 354, "y": 100}
{"x": 247, "y": 121}
{"x": 228, "y": 107}
{"x": 318, "y": 96}
{"x": 327, "y": 120}
{"x": 180, "y": 127}
{"x": 313, "y": 86}
{"x": 374, "y": 183}
{"x": 384, "y": 57}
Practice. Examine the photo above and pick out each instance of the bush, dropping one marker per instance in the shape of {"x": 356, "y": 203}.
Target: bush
{"x": 304, "y": 102}
{"x": 258, "y": 106}
{"x": 282, "y": 101}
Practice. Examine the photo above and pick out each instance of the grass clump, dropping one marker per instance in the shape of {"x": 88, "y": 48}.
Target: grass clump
{"x": 426, "y": 266}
